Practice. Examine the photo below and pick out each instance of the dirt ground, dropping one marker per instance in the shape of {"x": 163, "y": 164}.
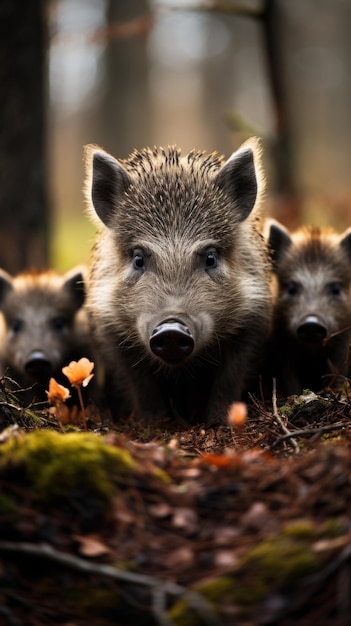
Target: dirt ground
{"x": 241, "y": 524}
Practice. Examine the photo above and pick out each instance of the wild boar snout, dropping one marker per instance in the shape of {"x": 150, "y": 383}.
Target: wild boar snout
{"x": 172, "y": 341}
{"x": 312, "y": 330}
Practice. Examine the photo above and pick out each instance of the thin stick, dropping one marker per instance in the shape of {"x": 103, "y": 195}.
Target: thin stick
{"x": 305, "y": 432}
{"x": 195, "y": 600}
{"x": 279, "y": 419}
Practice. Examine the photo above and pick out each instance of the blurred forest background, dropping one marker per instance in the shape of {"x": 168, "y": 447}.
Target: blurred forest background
{"x": 198, "y": 74}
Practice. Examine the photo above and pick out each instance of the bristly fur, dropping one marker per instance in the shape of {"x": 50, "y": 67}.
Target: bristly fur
{"x": 312, "y": 271}
{"x": 172, "y": 208}
{"x": 313, "y": 245}
{"x": 165, "y": 178}
{"x": 42, "y": 317}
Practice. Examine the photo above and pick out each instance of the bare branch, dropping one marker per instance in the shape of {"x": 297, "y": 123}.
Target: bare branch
{"x": 159, "y": 587}
{"x": 306, "y": 432}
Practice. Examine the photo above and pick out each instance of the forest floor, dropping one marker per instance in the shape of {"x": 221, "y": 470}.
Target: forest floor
{"x": 244, "y": 524}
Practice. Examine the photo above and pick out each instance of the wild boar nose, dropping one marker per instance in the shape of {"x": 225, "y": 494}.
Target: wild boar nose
{"x": 172, "y": 341}
{"x": 312, "y": 330}
{"x": 37, "y": 365}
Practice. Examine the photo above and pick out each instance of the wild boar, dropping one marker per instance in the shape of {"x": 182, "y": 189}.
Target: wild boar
{"x": 178, "y": 292}
{"x": 42, "y": 327}
{"x": 312, "y": 306}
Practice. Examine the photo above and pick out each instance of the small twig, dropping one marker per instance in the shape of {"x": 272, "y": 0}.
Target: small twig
{"x": 12, "y": 406}
{"x": 306, "y": 432}
{"x": 276, "y": 415}
{"x": 195, "y": 600}
{"x": 159, "y": 607}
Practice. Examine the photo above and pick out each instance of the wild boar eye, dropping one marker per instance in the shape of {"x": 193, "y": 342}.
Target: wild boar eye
{"x": 293, "y": 288}
{"x": 16, "y": 325}
{"x": 139, "y": 260}
{"x": 334, "y": 288}
{"x": 211, "y": 259}
{"x": 58, "y": 323}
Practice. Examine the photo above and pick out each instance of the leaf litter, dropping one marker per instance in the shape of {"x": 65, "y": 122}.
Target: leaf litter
{"x": 228, "y": 524}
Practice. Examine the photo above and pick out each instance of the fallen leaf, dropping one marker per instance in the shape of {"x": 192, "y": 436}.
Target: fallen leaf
{"x": 184, "y": 518}
{"x": 160, "y": 510}
{"x": 182, "y": 557}
{"x": 225, "y": 558}
{"x": 222, "y": 460}
{"x": 90, "y": 545}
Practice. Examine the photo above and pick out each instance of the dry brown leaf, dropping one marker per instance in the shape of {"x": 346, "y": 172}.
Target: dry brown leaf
{"x": 222, "y": 460}
{"x": 225, "y": 558}
{"x": 89, "y": 545}
{"x": 184, "y": 518}
{"x": 162, "y": 509}
{"x": 182, "y": 557}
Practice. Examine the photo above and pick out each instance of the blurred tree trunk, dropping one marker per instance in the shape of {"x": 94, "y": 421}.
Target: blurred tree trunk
{"x": 288, "y": 207}
{"x": 23, "y": 193}
{"x": 125, "y": 107}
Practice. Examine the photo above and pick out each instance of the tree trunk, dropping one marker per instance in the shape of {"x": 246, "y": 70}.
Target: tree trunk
{"x": 23, "y": 191}
{"x": 288, "y": 203}
{"x": 125, "y": 105}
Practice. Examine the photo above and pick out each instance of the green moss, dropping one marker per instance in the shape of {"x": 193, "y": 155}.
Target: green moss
{"x": 326, "y": 403}
{"x": 332, "y": 528}
{"x": 162, "y": 475}
{"x": 275, "y": 563}
{"x": 55, "y": 465}
{"x": 213, "y": 591}
{"x": 305, "y": 529}
{"x": 71, "y": 428}
{"x": 305, "y": 397}
{"x": 301, "y": 529}
{"x": 13, "y": 409}
{"x": 327, "y": 438}
{"x": 286, "y": 410}
{"x": 216, "y": 589}
{"x": 182, "y": 615}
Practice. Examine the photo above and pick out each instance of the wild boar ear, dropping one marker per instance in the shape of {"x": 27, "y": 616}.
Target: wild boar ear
{"x": 5, "y": 285}
{"x": 109, "y": 181}
{"x": 345, "y": 241}
{"x": 75, "y": 284}
{"x": 238, "y": 179}
{"x": 278, "y": 238}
